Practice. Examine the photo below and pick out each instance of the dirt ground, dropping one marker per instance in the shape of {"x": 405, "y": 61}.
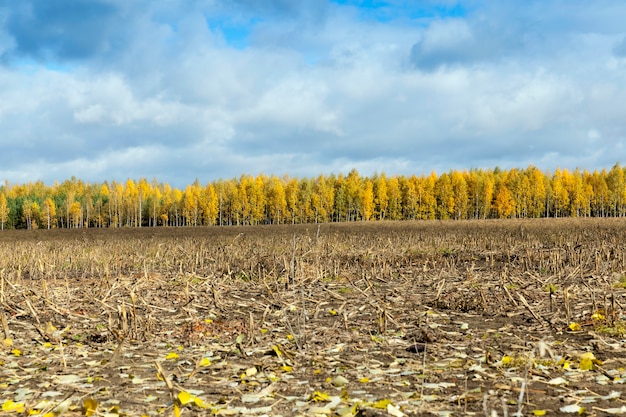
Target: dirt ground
{"x": 369, "y": 319}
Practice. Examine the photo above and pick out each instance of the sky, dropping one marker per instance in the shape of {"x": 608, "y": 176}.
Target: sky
{"x": 180, "y": 90}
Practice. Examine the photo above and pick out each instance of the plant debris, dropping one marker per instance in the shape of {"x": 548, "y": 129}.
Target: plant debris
{"x": 392, "y": 318}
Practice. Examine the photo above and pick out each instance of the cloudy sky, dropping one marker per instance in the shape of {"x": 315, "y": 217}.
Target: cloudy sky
{"x": 208, "y": 89}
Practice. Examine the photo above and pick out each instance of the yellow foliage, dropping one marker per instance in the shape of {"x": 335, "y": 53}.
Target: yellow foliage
{"x": 597, "y": 316}
{"x": 587, "y": 360}
{"x": 204, "y": 362}
{"x": 11, "y": 406}
{"x": 318, "y": 396}
{"x": 575, "y": 327}
{"x": 89, "y": 406}
{"x": 381, "y": 404}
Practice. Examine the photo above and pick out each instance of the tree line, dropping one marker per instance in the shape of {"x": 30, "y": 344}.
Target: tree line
{"x": 263, "y": 199}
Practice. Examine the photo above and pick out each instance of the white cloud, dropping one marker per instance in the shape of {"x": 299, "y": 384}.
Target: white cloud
{"x": 317, "y": 91}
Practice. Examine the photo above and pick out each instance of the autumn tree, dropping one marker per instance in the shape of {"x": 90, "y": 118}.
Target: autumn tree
{"x": 49, "y": 212}
{"x": 616, "y": 183}
{"x": 210, "y": 205}
{"x": 459, "y": 191}
{"x": 394, "y": 208}
{"x": 75, "y": 214}
{"x": 323, "y": 198}
{"x": 367, "y": 200}
{"x": 381, "y": 198}
{"x": 560, "y": 194}
{"x": 600, "y": 193}
{"x": 504, "y": 205}
{"x": 4, "y": 211}
{"x": 445, "y": 197}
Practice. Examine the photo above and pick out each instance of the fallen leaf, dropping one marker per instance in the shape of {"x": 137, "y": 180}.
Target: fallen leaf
{"x": 394, "y": 411}
{"x": 575, "y": 327}
{"x": 318, "y": 396}
{"x": 572, "y": 408}
{"x": 89, "y": 406}
{"x": 557, "y": 381}
{"x": 381, "y": 404}
{"x": 340, "y": 381}
{"x": 11, "y": 406}
{"x": 185, "y": 398}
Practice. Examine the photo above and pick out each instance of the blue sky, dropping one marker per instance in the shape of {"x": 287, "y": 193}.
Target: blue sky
{"x": 208, "y": 89}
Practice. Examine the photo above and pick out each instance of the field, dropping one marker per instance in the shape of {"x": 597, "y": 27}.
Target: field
{"x": 363, "y": 319}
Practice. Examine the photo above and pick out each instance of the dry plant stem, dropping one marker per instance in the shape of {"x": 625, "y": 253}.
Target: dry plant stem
{"x": 568, "y": 313}
{"x": 32, "y": 310}
{"x": 529, "y": 308}
{"x": 161, "y": 373}
{"x": 2, "y": 286}
{"x": 52, "y": 407}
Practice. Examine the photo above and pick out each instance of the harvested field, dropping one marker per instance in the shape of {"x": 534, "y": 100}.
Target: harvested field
{"x": 365, "y": 319}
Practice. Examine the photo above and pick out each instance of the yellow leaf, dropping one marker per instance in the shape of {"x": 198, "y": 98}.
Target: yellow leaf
{"x": 204, "y": 362}
{"x": 185, "y": 398}
{"x": 290, "y": 337}
{"x": 587, "y": 360}
{"x": 597, "y": 316}
{"x": 575, "y": 327}
{"x": 263, "y": 331}
{"x": 364, "y": 380}
{"x": 199, "y": 403}
{"x": 209, "y": 321}
{"x": 564, "y": 363}
{"x": 10, "y": 406}
{"x": 89, "y": 406}
{"x": 172, "y": 355}
{"x": 16, "y": 352}
{"x": 317, "y": 371}
{"x": 381, "y": 404}
{"x": 286, "y": 368}
{"x": 276, "y": 349}
{"x": 176, "y": 410}
{"x": 586, "y": 363}
{"x": 318, "y": 396}
{"x": 539, "y": 412}
{"x": 506, "y": 360}
{"x": 333, "y": 312}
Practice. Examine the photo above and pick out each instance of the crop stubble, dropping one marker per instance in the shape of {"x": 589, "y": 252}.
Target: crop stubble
{"x": 415, "y": 318}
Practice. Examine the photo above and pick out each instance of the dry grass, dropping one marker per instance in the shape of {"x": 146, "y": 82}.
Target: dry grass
{"x": 424, "y": 318}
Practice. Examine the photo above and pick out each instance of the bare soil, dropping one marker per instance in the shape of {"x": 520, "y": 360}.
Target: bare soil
{"x": 367, "y": 319}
